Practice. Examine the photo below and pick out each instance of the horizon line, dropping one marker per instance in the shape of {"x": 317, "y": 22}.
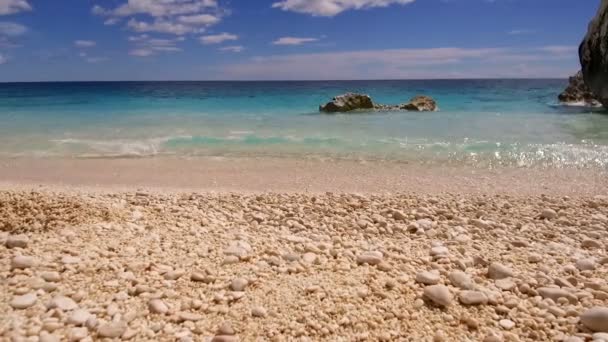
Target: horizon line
{"x": 302, "y": 80}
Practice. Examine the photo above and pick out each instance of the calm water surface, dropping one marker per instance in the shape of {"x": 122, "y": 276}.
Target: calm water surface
{"x": 482, "y": 122}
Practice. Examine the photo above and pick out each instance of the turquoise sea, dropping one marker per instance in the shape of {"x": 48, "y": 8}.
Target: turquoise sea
{"x": 480, "y": 122}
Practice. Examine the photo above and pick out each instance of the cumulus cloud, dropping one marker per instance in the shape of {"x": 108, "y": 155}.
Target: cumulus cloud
{"x": 330, "y": 8}
{"x": 141, "y": 52}
{"x": 8, "y": 29}
{"x": 218, "y": 38}
{"x": 84, "y": 43}
{"x": 233, "y": 48}
{"x": 161, "y": 26}
{"x": 14, "y": 6}
{"x": 403, "y": 64}
{"x": 177, "y": 17}
{"x": 146, "y": 46}
{"x": 293, "y": 41}
{"x": 199, "y": 19}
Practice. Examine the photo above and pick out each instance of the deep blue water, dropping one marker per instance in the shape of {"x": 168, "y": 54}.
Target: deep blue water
{"x": 511, "y": 122}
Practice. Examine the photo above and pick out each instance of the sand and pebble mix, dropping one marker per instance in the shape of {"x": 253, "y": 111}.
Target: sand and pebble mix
{"x": 83, "y": 266}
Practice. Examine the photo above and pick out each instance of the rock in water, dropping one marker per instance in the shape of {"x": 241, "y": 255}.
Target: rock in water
{"x": 593, "y": 54}
{"x": 347, "y": 102}
{"x": 577, "y": 92}
{"x": 420, "y": 104}
{"x": 351, "y": 101}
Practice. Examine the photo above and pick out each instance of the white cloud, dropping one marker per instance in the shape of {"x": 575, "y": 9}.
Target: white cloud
{"x": 158, "y": 8}
{"x": 404, "y": 64}
{"x": 218, "y": 38}
{"x": 2, "y": 59}
{"x": 141, "y": 52}
{"x": 518, "y": 32}
{"x": 330, "y": 8}
{"x": 177, "y": 17}
{"x": 8, "y": 29}
{"x": 234, "y": 48}
{"x": 14, "y": 6}
{"x": 84, "y": 43}
{"x": 146, "y": 46}
{"x": 199, "y": 19}
{"x": 95, "y": 59}
{"x": 160, "y": 26}
{"x": 293, "y": 41}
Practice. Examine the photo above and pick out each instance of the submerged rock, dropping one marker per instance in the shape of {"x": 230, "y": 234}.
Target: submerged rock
{"x": 578, "y": 92}
{"x": 593, "y": 53}
{"x": 351, "y": 102}
{"x": 347, "y": 102}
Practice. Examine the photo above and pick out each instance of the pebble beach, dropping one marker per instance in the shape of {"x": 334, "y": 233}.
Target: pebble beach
{"x": 139, "y": 265}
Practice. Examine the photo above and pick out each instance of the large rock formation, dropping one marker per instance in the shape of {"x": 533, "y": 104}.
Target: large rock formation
{"x": 347, "y": 102}
{"x": 593, "y": 53}
{"x": 578, "y": 92}
{"x": 351, "y": 102}
{"x": 420, "y": 104}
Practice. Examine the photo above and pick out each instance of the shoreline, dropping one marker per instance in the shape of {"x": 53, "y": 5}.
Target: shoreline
{"x": 289, "y": 175}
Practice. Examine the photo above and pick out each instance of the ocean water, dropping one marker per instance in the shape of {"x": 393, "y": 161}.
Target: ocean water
{"x": 480, "y": 122}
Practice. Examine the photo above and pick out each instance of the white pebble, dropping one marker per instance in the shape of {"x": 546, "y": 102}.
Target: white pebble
{"x": 24, "y": 301}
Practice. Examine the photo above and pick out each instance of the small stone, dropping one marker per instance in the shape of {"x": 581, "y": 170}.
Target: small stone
{"x": 51, "y": 276}
{"x": 239, "y": 284}
{"x": 506, "y": 324}
{"x": 77, "y": 334}
{"x": 70, "y": 260}
{"x": 505, "y": 284}
{"x": 438, "y": 294}
{"x": 473, "y": 298}
{"x": 439, "y": 251}
{"x": 428, "y": 277}
{"x": 112, "y": 329}
{"x": 461, "y": 280}
{"x": 399, "y": 215}
{"x": 224, "y": 338}
{"x": 535, "y": 258}
{"x": 601, "y": 336}
{"x": 589, "y": 243}
{"x": 158, "y": 306}
{"x": 573, "y": 339}
{"x": 585, "y": 264}
{"x": 370, "y": 258}
{"x": 24, "y": 301}
{"x": 553, "y": 293}
{"x": 17, "y": 241}
{"x": 201, "y": 277}
{"x": 22, "y": 262}
{"x": 189, "y": 316}
{"x": 47, "y": 337}
{"x": 174, "y": 274}
{"x": 548, "y": 214}
{"x": 499, "y": 271}
{"x": 596, "y": 319}
{"x": 225, "y": 329}
{"x": 471, "y": 323}
{"x": 79, "y": 317}
{"x": 258, "y": 311}
{"x": 309, "y": 258}
{"x": 62, "y": 303}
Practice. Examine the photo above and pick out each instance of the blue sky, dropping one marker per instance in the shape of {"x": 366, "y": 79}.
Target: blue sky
{"x": 64, "y": 40}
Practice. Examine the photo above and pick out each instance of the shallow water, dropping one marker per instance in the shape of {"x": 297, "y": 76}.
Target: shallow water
{"x": 480, "y": 122}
